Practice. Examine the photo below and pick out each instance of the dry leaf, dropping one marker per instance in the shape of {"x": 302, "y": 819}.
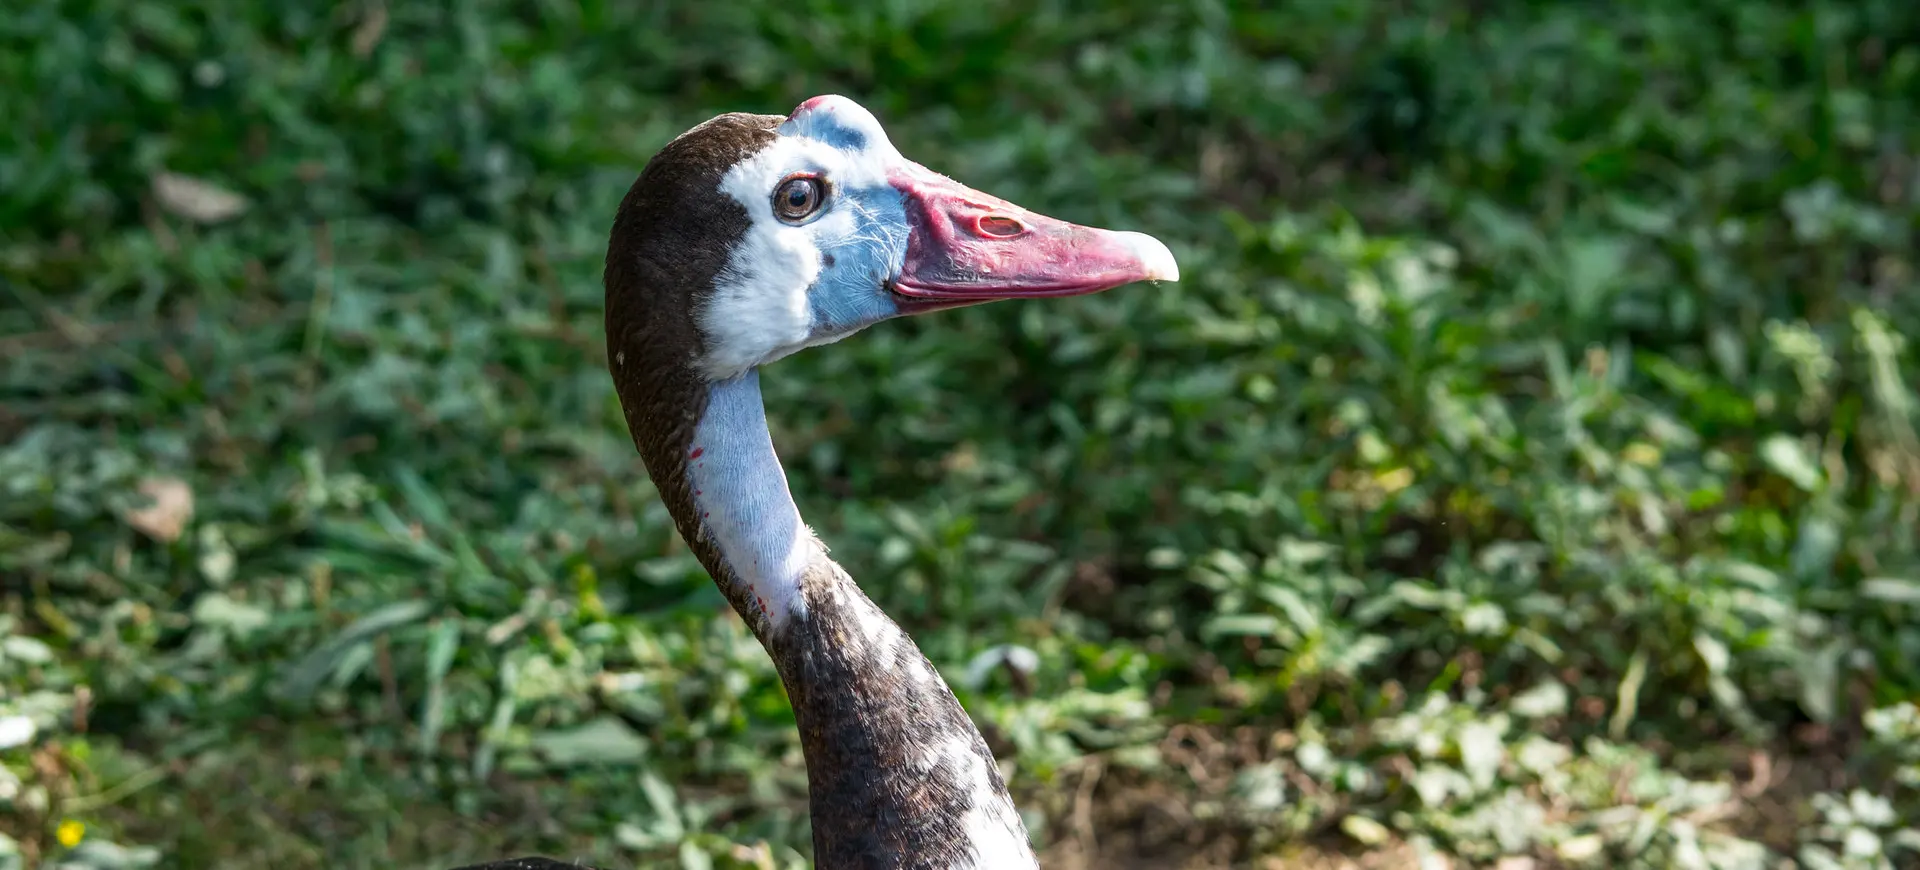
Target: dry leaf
{"x": 372, "y": 27}
{"x": 166, "y": 517}
{"x": 196, "y": 200}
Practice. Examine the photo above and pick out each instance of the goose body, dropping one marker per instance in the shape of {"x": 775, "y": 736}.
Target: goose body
{"x": 745, "y": 239}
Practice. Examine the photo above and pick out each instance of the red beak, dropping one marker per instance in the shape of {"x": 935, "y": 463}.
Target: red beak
{"x": 965, "y": 246}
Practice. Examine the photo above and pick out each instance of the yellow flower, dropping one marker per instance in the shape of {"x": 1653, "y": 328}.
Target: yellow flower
{"x": 69, "y": 833}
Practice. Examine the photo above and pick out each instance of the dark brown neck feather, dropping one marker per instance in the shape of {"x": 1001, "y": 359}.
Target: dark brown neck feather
{"x": 898, "y": 775}
{"x": 662, "y": 260}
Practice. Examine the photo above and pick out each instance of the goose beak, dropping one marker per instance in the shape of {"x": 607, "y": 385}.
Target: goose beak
{"x": 965, "y": 247}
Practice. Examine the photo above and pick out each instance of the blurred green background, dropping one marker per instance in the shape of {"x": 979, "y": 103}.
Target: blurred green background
{"x": 1524, "y": 474}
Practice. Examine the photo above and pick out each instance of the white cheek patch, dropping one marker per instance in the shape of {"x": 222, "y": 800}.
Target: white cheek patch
{"x": 759, "y": 303}
{"x": 759, "y": 310}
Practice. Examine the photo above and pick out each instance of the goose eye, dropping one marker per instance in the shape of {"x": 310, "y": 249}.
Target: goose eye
{"x": 798, "y": 198}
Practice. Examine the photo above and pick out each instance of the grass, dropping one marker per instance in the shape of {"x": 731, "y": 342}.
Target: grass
{"x": 1525, "y": 468}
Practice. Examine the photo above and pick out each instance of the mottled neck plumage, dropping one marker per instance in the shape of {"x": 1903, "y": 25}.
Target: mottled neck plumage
{"x": 898, "y": 775}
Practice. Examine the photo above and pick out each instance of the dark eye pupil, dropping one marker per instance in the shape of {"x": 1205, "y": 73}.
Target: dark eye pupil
{"x": 797, "y": 198}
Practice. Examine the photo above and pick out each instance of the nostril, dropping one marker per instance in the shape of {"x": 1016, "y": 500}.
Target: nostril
{"x": 1001, "y": 226}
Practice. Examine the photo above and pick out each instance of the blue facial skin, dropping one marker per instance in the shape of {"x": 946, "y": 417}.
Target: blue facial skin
{"x": 825, "y": 128}
{"x": 851, "y": 293}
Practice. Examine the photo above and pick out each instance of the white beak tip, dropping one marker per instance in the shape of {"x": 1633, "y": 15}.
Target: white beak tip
{"x": 1156, "y": 261}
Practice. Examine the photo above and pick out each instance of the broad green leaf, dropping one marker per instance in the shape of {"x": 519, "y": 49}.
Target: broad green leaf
{"x": 604, "y": 740}
{"x": 298, "y": 682}
{"x": 1790, "y": 459}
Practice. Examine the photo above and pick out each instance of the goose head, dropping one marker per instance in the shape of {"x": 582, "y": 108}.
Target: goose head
{"x": 771, "y": 234}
